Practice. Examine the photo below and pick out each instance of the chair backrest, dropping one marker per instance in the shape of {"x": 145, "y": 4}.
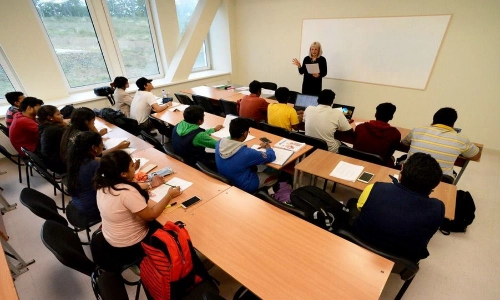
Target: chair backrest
{"x": 65, "y": 245}
{"x": 273, "y": 129}
{"x": 204, "y": 102}
{"x": 108, "y": 286}
{"x": 171, "y": 153}
{"x": 41, "y": 205}
{"x": 4, "y": 129}
{"x": 407, "y": 269}
{"x": 75, "y": 217}
{"x": 447, "y": 179}
{"x": 312, "y": 141}
{"x": 269, "y": 85}
{"x": 150, "y": 139}
{"x": 211, "y": 173}
{"x": 369, "y": 157}
{"x": 228, "y": 107}
{"x": 36, "y": 162}
{"x": 288, "y": 208}
{"x": 184, "y": 99}
{"x": 103, "y": 254}
{"x": 162, "y": 128}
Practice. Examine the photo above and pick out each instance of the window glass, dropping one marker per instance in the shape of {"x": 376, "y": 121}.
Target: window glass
{"x": 72, "y": 34}
{"x": 132, "y": 30}
{"x": 5, "y": 85}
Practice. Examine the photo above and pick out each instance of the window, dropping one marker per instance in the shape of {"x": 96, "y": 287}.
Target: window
{"x": 8, "y": 79}
{"x": 185, "y": 9}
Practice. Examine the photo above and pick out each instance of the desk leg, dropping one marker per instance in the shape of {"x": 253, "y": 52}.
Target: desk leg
{"x": 22, "y": 267}
{"x": 297, "y": 175}
{"x": 6, "y": 206}
{"x": 461, "y": 172}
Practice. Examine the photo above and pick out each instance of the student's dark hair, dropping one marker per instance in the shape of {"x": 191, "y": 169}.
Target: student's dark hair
{"x": 13, "y": 96}
{"x": 79, "y": 154}
{"x": 282, "y": 94}
{"x": 44, "y": 113}
{"x": 255, "y": 87}
{"x": 385, "y": 112}
{"x": 109, "y": 173}
{"x": 237, "y": 127}
{"x": 446, "y": 116}
{"x": 421, "y": 173}
{"x": 29, "y": 102}
{"x": 193, "y": 114}
{"x": 79, "y": 119}
{"x": 120, "y": 82}
{"x": 326, "y": 97}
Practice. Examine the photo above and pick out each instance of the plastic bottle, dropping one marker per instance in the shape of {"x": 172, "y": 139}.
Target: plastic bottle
{"x": 164, "y": 94}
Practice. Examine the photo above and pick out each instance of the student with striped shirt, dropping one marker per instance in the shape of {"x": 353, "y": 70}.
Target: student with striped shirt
{"x": 441, "y": 141}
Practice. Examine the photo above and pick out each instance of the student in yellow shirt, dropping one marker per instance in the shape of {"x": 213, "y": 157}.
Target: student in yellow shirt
{"x": 281, "y": 114}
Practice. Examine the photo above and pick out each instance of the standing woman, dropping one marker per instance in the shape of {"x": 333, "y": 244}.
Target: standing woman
{"x": 51, "y": 127}
{"x": 82, "y": 166}
{"x": 122, "y": 98}
{"x": 127, "y": 219}
{"x": 312, "y": 83}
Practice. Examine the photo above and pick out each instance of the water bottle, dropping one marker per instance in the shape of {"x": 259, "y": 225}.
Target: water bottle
{"x": 164, "y": 94}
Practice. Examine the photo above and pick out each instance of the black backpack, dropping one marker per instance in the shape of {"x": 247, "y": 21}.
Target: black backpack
{"x": 464, "y": 214}
{"x": 117, "y": 118}
{"x": 320, "y": 208}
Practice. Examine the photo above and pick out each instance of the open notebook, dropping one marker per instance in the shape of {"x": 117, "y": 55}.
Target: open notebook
{"x": 282, "y": 155}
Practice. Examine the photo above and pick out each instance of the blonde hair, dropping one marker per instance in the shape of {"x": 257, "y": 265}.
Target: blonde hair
{"x": 316, "y": 44}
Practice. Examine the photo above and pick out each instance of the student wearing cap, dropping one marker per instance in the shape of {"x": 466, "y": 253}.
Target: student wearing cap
{"x": 143, "y": 102}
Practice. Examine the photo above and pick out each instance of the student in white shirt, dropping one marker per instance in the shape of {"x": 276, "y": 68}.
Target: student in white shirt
{"x": 143, "y": 102}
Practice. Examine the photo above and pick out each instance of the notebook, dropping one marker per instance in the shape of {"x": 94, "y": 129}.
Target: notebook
{"x": 302, "y": 101}
{"x": 346, "y": 109}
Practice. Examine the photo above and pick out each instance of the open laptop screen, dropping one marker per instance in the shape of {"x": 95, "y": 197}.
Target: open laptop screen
{"x": 306, "y": 100}
{"x": 347, "y": 110}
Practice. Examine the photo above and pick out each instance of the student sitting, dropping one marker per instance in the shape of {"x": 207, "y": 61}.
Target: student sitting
{"x": 143, "y": 102}
{"x": 122, "y": 98}
{"x": 23, "y": 131}
{"x": 377, "y": 136}
{"x": 281, "y": 114}
{"x": 51, "y": 130}
{"x": 253, "y": 106}
{"x": 189, "y": 140}
{"x": 82, "y": 166}
{"x": 238, "y": 163}
{"x": 15, "y": 99}
{"x": 127, "y": 217}
{"x": 400, "y": 217}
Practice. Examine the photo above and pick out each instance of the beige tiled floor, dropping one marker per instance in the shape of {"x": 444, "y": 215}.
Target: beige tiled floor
{"x": 461, "y": 266}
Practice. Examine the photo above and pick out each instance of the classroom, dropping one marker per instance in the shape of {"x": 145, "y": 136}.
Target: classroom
{"x": 256, "y": 40}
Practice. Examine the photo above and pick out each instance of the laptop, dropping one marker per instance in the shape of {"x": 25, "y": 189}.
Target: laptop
{"x": 347, "y": 110}
{"x": 303, "y": 101}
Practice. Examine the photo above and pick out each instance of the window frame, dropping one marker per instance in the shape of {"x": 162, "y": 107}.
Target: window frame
{"x": 11, "y": 75}
{"x": 206, "y": 44}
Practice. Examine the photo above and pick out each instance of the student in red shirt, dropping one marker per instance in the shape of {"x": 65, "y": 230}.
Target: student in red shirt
{"x": 23, "y": 131}
{"x": 252, "y": 106}
{"x": 377, "y": 136}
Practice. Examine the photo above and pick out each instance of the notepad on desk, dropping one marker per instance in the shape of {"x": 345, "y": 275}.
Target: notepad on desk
{"x": 282, "y": 155}
{"x": 158, "y": 193}
{"x": 112, "y": 142}
{"x": 100, "y": 126}
{"x": 224, "y": 132}
{"x": 142, "y": 162}
{"x": 347, "y": 171}
{"x": 290, "y": 145}
{"x": 179, "y": 107}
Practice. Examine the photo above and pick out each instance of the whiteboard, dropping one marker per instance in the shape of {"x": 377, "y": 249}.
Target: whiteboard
{"x": 396, "y": 51}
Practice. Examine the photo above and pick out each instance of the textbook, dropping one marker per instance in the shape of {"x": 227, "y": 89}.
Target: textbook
{"x": 282, "y": 155}
{"x": 290, "y": 145}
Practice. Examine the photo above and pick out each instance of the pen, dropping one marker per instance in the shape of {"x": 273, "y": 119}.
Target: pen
{"x": 170, "y": 185}
{"x": 171, "y": 204}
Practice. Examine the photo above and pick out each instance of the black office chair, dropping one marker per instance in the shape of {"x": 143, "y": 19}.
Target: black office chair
{"x": 405, "y": 268}
{"x": 164, "y": 129}
{"x": 14, "y": 157}
{"x": 150, "y": 139}
{"x": 228, "y": 107}
{"x": 273, "y": 129}
{"x": 66, "y": 247}
{"x": 205, "y": 103}
{"x": 269, "y": 85}
{"x": 171, "y": 153}
{"x": 41, "y": 205}
{"x": 447, "y": 179}
{"x": 368, "y": 157}
{"x": 79, "y": 221}
{"x": 211, "y": 172}
{"x": 108, "y": 285}
{"x": 33, "y": 161}
{"x": 184, "y": 99}
{"x": 102, "y": 252}
{"x": 286, "y": 207}
{"x": 4, "y": 129}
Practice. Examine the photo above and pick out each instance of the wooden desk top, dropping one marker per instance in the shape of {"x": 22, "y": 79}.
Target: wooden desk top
{"x": 117, "y": 132}
{"x": 210, "y": 92}
{"x": 321, "y": 163}
{"x": 203, "y": 186}
{"x": 7, "y": 289}
{"x": 279, "y": 256}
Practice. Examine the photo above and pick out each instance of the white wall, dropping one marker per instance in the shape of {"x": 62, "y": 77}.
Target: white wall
{"x": 267, "y": 35}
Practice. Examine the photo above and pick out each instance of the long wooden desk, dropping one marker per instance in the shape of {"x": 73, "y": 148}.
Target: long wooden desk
{"x": 210, "y": 92}
{"x": 7, "y": 289}
{"x": 117, "y": 132}
{"x": 321, "y": 163}
{"x": 279, "y": 256}
{"x": 203, "y": 186}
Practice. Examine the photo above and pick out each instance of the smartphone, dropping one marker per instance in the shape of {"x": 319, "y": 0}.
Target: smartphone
{"x": 366, "y": 177}
{"x": 190, "y": 202}
{"x": 265, "y": 140}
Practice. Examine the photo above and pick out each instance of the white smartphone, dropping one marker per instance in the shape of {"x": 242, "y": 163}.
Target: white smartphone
{"x": 366, "y": 177}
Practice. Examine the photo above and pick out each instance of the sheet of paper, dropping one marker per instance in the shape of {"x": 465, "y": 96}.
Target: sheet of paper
{"x": 312, "y": 68}
{"x": 267, "y": 92}
{"x": 245, "y": 92}
{"x": 290, "y": 145}
{"x": 243, "y": 88}
{"x": 224, "y": 132}
{"x": 111, "y": 142}
{"x": 357, "y": 123}
{"x": 282, "y": 155}
{"x": 347, "y": 171}
{"x": 100, "y": 126}
{"x": 180, "y": 182}
{"x": 130, "y": 150}
{"x": 180, "y": 107}
{"x": 142, "y": 160}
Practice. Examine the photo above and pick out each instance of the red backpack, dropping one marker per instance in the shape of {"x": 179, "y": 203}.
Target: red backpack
{"x": 171, "y": 267}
